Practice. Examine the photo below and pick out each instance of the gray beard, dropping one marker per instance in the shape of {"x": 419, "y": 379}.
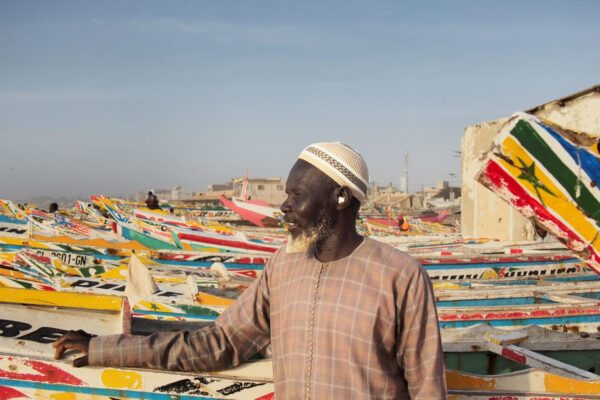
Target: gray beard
{"x": 301, "y": 243}
{"x": 312, "y": 237}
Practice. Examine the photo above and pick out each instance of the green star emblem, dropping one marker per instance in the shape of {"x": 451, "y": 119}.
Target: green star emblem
{"x": 528, "y": 174}
{"x": 153, "y": 306}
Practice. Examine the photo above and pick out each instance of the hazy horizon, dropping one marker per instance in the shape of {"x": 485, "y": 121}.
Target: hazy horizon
{"x": 117, "y": 97}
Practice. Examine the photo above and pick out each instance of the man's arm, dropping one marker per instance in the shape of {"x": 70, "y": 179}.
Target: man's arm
{"x": 74, "y": 340}
{"x": 420, "y": 353}
{"x": 239, "y": 333}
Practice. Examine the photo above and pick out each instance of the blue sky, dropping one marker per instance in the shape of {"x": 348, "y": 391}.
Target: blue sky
{"x": 115, "y": 97}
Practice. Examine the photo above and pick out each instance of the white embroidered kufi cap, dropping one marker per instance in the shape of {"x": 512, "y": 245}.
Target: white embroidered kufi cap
{"x": 341, "y": 163}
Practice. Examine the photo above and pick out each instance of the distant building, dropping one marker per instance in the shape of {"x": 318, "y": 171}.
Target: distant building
{"x": 220, "y": 187}
{"x": 388, "y": 199}
{"x": 213, "y": 194}
{"x": 165, "y": 195}
{"x": 433, "y": 191}
{"x": 180, "y": 193}
{"x": 271, "y": 190}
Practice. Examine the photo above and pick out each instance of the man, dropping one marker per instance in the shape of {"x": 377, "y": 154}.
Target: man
{"x": 53, "y": 208}
{"x": 152, "y": 201}
{"x": 348, "y": 317}
{"x": 403, "y": 223}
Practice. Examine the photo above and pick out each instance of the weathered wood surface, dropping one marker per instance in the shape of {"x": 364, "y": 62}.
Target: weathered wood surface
{"x": 529, "y": 384}
{"x": 534, "y": 338}
{"x": 505, "y": 345}
{"x": 43, "y": 378}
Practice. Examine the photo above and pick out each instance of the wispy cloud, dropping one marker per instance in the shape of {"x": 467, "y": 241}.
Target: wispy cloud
{"x": 238, "y": 33}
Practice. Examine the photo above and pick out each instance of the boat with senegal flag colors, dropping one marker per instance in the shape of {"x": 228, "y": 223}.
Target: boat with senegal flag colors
{"x": 551, "y": 175}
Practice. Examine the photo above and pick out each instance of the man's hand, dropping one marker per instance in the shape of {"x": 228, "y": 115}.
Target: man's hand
{"x": 74, "y": 340}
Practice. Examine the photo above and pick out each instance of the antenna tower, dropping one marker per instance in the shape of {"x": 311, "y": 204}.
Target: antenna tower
{"x": 404, "y": 178}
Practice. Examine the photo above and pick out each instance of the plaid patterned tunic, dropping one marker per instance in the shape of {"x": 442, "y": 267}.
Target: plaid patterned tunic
{"x": 361, "y": 327}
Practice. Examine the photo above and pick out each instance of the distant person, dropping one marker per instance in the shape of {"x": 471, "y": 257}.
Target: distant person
{"x": 53, "y": 208}
{"x": 152, "y": 201}
{"x": 403, "y": 223}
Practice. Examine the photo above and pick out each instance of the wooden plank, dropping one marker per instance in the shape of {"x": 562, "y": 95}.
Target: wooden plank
{"x": 501, "y": 345}
{"x": 537, "y": 339}
{"x": 487, "y": 292}
{"x": 528, "y": 384}
{"x": 60, "y": 299}
{"x": 562, "y": 298}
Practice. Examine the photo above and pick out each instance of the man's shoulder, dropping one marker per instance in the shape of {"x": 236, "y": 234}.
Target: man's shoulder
{"x": 384, "y": 254}
{"x": 282, "y": 257}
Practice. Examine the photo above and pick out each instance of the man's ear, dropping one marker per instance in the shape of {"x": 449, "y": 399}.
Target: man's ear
{"x": 343, "y": 196}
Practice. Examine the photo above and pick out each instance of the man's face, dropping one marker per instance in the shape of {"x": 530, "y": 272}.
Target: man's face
{"x": 307, "y": 209}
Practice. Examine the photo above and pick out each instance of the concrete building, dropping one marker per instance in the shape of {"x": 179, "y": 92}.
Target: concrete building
{"x": 387, "y": 197}
{"x": 213, "y": 194}
{"x": 271, "y": 190}
{"x": 165, "y": 195}
{"x": 483, "y": 213}
{"x": 180, "y": 193}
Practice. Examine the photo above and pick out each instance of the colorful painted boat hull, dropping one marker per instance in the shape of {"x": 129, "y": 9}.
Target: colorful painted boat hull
{"x": 550, "y": 175}
{"x": 29, "y": 378}
{"x": 259, "y": 213}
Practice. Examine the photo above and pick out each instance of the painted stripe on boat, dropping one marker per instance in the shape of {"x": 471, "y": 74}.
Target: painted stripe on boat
{"x": 524, "y": 264}
{"x": 138, "y": 312}
{"x": 116, "y": 393}
{"x": 563, "y": 206}
{"x": 500, "y": 179}
{"x": 559, "y": 321}
{"x": 205, "y": 264}
{"x": 63, "y": 299}
{"x": 531, "y": 140}
{"x": 203, "y": 240}
{"x": 579, "y": 155}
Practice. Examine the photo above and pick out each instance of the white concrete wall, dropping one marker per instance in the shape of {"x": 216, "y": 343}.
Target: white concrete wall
{"x": 581, "y": 114}
{"x": 483, "y": 213}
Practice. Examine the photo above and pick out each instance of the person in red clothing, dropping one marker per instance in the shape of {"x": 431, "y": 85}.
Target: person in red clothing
{"x": 403, "y": 223}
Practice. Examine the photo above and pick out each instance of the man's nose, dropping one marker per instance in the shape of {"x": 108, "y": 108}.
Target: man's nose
{"x": 285, "y": 206}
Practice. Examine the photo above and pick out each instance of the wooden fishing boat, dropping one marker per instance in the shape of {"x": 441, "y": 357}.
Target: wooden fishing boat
{"x": 129, "y": 383}
{"x": 179, "y": 295}
{"x": 471, "y": 267}
{"x": 559, "y": 306}
{"x": 28, "y": 371}
{"x": 260, "y": 213}
{"x": 549, "y": 174}
{"x": 161, "y": 233}
{"x": 476, "y": 349}
{"x": 503, "y": 267}
{"x": 201, "y": 240}
{"x": 13, "y": 227}
{"x": 531, "y": 384}
{"x": 127, "y": 228}
{"x": 33, "y": 378}
{"x": 13, "y": 224}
